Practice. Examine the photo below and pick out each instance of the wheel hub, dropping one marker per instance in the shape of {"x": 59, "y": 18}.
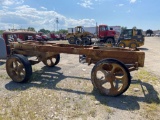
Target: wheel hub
{"x": 110, "y": 77}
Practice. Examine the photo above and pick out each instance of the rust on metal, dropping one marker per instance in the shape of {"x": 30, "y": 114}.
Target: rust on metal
{"x": 93, "y": 53}
{"x": 110, "y": 74}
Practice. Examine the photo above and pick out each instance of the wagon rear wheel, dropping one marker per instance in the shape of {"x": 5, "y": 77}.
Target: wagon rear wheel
{"x": 52, "y": 61}
{"x": 110, "y": 77}
{"x": 18, "y": 68}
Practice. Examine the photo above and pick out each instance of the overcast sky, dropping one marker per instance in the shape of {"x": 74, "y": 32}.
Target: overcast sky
{"x": 143, "y": 14}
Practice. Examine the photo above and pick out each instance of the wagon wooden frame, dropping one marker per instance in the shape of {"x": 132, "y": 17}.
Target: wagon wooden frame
{"x": 110, "y": 74}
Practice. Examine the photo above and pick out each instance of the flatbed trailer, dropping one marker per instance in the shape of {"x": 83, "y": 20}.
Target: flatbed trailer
{"x": 110, "y": 74}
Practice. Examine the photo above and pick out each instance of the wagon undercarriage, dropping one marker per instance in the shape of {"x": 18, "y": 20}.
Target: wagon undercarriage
{"x": 110, "y": 74}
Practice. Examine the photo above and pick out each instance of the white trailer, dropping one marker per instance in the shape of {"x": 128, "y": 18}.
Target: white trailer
{"x": 116, "y": 28}
{"x": 118, "y": 31}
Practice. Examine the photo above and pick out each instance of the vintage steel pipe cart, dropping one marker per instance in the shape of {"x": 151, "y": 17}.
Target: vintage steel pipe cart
{"x": 110, "y": 74}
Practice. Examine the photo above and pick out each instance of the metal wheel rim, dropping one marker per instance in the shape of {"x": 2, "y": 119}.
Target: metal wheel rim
{"x": 50, "y": 61}
{"x": 16, "y": 69}
{"x": 111, "y": 78}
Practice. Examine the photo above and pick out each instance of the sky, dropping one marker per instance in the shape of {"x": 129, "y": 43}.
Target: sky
{"x": 62, "y": 14}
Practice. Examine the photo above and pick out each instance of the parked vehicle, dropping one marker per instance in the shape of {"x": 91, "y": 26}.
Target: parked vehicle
{"x": 39, "y": 38}
{"x": 102, "y": 32}
{"x": 131, "y": 38}
{"x": 80, "y": 36}
{"x": 44, "y": 37}
{"x": 3, "y": 51}
{"x": 157, "y": 34}
{"x": 53, "y": 36}
{"x": 14, "y": 36}
{"x": 57, "y": 36}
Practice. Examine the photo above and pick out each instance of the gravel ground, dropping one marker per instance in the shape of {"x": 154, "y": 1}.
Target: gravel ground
{"x": 65, "y": 92}
{"x": 151, "y": 49}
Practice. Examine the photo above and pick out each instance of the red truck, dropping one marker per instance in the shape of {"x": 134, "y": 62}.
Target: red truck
{"x": 106, "y": 35}
{"x": 43, "y": 36}
{"x": 57, "y": 37}
{"x": 102, "y": 32}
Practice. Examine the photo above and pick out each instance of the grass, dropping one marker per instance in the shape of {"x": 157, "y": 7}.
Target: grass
{"x": 149, "y": 81}
{"x": 72, "y": 99}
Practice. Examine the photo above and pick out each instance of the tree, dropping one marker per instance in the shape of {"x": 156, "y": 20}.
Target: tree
{"x": 44, "y": 31}
{"x": 123, "y": 28}
{"x": 63, "y": 31}
{"x": 31, "y": 29}
{"x": 1, "y": 32}
{"x": 149, "y": 31}
{"x": 134, "y": 27}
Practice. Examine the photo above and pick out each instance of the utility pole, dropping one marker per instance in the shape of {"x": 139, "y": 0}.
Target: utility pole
{"x": 57, "y": 23}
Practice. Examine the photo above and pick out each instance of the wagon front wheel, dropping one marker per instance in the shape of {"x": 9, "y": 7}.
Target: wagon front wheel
{"x": 111, "y": 77}
{"x": 52, "y": 61}
{"x": 18, "y": 68}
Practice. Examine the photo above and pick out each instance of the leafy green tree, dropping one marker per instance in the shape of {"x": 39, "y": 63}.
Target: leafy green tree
{"x": 31, "y": 29}
{"x": 1, "y": 32}
{"x": 134, "y": 27}
{"x": 44, "y": 31}
{"x": 123, "y": 28}
{"x": 149, "y": 31}
{"x": 63, "y": 31}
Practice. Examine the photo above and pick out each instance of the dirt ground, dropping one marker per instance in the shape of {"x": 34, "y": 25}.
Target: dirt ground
{"x": 151, "y": 49}
{"x": 65, "y": 92}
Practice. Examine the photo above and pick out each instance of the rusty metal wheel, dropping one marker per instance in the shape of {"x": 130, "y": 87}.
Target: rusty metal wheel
{"x": 52, "y": 61}
{"x": 110, "y": 77}
{"x": 18, "y": 68}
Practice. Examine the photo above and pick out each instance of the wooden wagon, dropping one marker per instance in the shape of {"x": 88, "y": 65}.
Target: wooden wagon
{"x": 110, "y": 74}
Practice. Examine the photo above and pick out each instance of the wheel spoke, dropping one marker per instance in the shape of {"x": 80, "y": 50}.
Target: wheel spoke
{"x": 101, "y": 82}
{"x": 52, "y": 61}
{"x": 99, "y": 67}
{"x": 114, "y": 66}
{"x": 20, "y": 68}
{"x": 113, "y": 88}
{"x": 12, "y": 69}
{"x": 16, "y": 64}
